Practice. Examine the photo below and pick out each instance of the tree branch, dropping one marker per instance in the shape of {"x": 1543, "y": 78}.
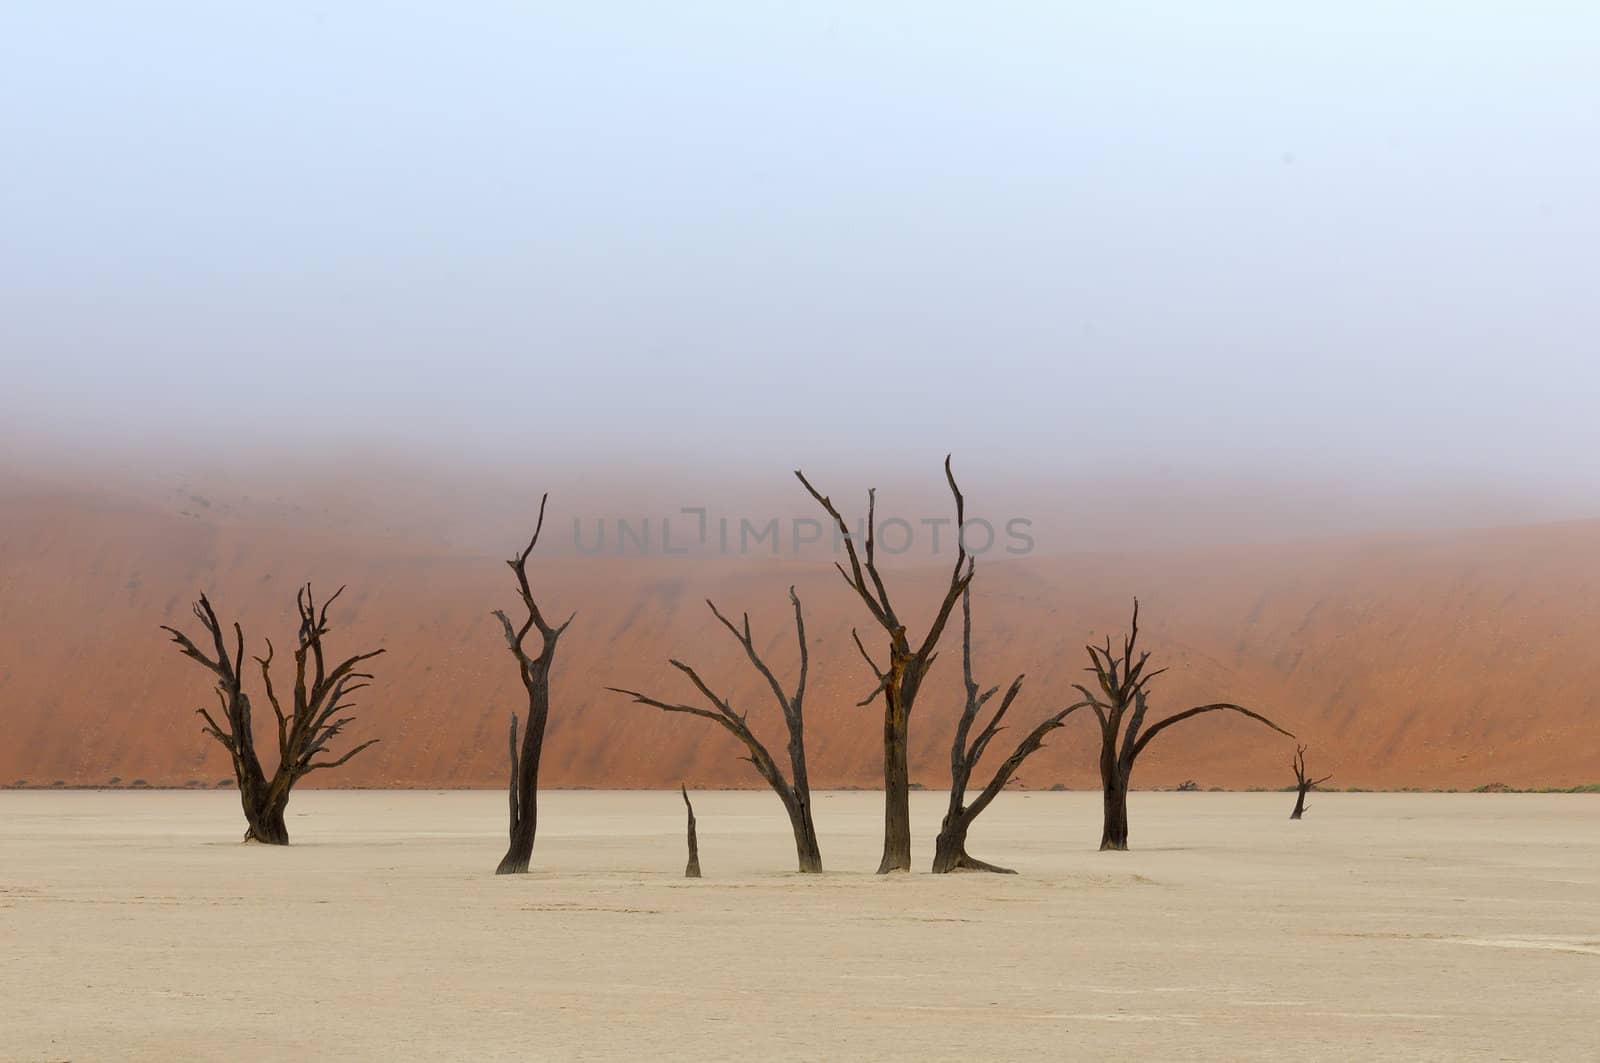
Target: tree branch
{"x": 335, "y": 763}
{"x": 1196, "y": 711}
{"x": 854, "y": 577}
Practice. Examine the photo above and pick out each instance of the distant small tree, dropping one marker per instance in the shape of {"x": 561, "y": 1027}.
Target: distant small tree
{"x": 304, "y": 731}
{"x": 1304, "y": 784}
{"x": 950, "y": 850}
{"x": 523, "y": 789}
{"x": 795, "y": 791}
{"x": 1120, "y": 705}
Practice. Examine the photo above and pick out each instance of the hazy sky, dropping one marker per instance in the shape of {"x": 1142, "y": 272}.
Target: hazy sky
{"x": 1357, "y": 235}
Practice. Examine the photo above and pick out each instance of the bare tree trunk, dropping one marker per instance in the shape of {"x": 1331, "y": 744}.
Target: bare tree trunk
{"x": 525, "y": 826}
{"x": 950, "y": 851}
{"x": 807, "y": 851}
{"x": 511, "y": 787}
{"x": 950, "y": 847}
{"x": 693, "y": 868}
{"x": 535, "y": 675}
{"x": 255, "y": 797}
{"x": 1114, "y": 834}
{"x": 896, "y": 792}
{"x": 266, "y": 823}
{"x": 947, "y": 850}
{"x": 1300, "y": 802}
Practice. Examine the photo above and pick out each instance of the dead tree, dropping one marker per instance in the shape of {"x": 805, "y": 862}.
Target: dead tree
{"x": 1123, "y": 698}
{"x": 693, "y": 868}
{"x": 900, "y": 679}
{"x": 1304, "y": 784}
{"x": 535, "y": 674}
{"x": 304, "y": 731}
{"x": 950, "y": 851}
{"x": 794, "y": 792}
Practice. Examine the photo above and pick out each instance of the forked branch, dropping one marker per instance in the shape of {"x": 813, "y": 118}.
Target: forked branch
{"x": 950, "y": 852}
{"x": 794, "y": 790}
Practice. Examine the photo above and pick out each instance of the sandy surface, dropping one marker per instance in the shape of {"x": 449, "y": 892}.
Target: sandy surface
{"x": 1383, "y": 926}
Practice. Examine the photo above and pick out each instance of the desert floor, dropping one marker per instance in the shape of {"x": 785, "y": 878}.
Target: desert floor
{"x": 1447, "y": 927}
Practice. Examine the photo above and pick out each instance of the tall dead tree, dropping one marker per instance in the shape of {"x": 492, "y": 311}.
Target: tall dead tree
{"x": 901, "y": 678}
{"x": 950, "y": 850}
{"x": 795, "y": 791}
{"x": 304, "y": 731}
{"x": 1304, "y": 784}
{"x": 1123, "y": 699}
{"x": 535, "y": 674}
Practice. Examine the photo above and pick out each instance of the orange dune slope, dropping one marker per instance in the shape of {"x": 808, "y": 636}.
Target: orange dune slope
{"x": 1439, "y": 660}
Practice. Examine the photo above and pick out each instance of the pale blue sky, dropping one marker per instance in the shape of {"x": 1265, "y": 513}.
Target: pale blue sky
{"x": 1224, "y": 233}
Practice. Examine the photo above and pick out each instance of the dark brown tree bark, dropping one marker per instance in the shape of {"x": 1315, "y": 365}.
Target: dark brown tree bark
{"x": 1122, "y": 698}
{"x": 795, "y": 791}
{"x": 535, "y": 674}
{"x": 950, "y": 850}
{"x": 516, "y": 778}
{"x": 692, "y": 870}
{"x": 304, "y": 731}
{"x": 1304, "y": 784}
{"x": 901, "y": 678}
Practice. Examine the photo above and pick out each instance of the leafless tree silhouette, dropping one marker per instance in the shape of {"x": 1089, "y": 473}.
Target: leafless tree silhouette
{"x": 535, "y": 674}
{"x": 304, "y": 731}
{"x": 794, "y": 792}
{"x": 1304, "y": 784}
{"x": 1122, "y": 697}
{"x": 950, "y": 851}
{"x": 900, "y": 679}
{"x": 692, "y": 869}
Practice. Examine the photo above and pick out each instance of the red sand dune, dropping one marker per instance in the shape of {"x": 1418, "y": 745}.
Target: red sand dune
{"x": 1439, "y": 660}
